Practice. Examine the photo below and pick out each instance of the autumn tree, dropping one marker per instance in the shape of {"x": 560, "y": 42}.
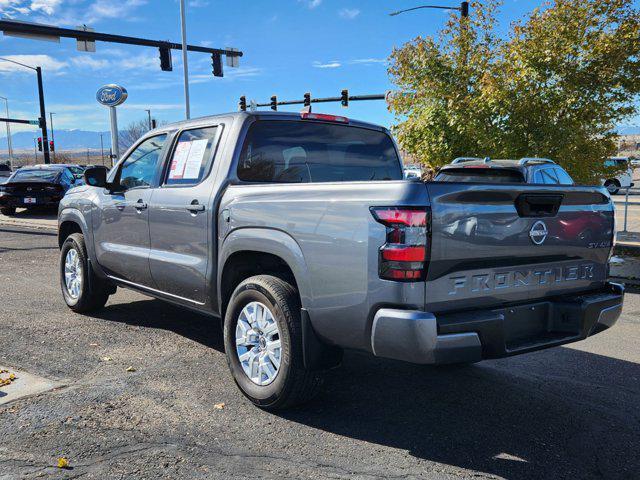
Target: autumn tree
{"x": 556, "y": 86}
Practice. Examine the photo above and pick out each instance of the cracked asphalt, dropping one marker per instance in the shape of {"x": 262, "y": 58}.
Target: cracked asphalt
{"x": 569, "y": 412}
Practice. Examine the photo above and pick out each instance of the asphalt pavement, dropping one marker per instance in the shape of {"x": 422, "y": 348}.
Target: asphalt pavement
{"x": 568, "y": 412}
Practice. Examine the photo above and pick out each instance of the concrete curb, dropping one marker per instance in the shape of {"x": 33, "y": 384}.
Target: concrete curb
{"x": 31, "y": 225}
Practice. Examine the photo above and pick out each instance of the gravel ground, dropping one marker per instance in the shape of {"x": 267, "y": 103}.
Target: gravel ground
{"x": 569, "y": 412}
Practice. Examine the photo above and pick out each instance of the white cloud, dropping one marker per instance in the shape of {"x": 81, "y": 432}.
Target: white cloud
{"x": 333, "y": 64}
{"x": 48, "y": 7}
{"x": 349, "y": 13}
{"x": 311, "y": 4}
{"x": 198, "y": 3}
{"x": 90, "y": 63}
{"x": 367, "y": 61}
{"x": 48, "y": 64}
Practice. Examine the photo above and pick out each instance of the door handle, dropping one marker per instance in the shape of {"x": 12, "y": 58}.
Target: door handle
{"x": 195, "y": 207}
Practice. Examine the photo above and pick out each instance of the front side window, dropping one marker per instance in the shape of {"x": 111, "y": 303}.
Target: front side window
{"x": 192, "y": 158}
{"x": 305, "y": 152}
{"x": 139, "y": 169}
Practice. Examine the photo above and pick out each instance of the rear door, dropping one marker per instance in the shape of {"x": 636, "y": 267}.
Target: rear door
{"x": 498, "y": 244}
{"x": 180, "y": 216}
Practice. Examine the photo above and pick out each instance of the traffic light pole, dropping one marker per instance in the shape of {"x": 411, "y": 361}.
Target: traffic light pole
{"x": 43, "y": 118}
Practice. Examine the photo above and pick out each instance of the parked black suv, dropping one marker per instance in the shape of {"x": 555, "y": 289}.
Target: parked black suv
{"x": 36, "y": 186}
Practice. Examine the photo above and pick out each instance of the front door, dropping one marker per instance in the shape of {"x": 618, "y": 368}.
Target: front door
{"x": 180, "y": 216}
{"x": 121, "y": 222}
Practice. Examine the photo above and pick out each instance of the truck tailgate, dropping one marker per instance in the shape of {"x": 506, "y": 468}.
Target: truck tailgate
{"x": 493, "y": 245}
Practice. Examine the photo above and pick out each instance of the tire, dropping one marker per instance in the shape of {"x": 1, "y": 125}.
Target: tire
{"x": 292, "y": 383}
{"x": 92, "y": 293}
{"x": 8, "y": 211}
{"x": 612, "y": 186}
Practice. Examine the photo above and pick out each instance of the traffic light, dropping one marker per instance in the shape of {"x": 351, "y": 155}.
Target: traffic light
{"x": 345, "y": 98}
{"x": 274, "y": 103}
{"x": 51, "y": 146}
{"x": 216, "y": 63}
{"x": 307, "y": 99}
{"x": 464, "y": 9}
{"x": 165, "y": 59}
{"x": 242, "y": 104}
{"x": 39, "y": 144}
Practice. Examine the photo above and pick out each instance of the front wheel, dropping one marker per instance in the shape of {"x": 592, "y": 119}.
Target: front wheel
{"x": 8, "y": 211}
{"x": 263, "y": 344}
{"x": 82, "y": 291}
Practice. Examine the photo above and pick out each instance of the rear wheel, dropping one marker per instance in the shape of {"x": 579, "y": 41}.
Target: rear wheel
{"x": 82, "y": 290}
{"x": 612, "y": 186}
{"x": 263, "y": 344}
{"x": 8, "y": 211}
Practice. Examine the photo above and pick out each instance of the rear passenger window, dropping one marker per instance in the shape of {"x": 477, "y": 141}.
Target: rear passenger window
{"x": 549, "y": 177}
{"x": 305, "y": 152}
{"x": 192, "y": 156}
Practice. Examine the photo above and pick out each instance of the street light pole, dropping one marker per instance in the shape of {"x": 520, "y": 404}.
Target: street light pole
{"x": 43, "y": 114}
{"x": 185, "y": 67}
{"x": 53, "y": 138}
{"x": 9, "y": 146}
{"x": 463, "y": 9}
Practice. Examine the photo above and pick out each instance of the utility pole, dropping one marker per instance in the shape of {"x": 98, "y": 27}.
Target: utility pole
{"x": 185, "y": 67}
{"x": 101, "y": 150}
{"x": 53, "y": 138}
{"x": 9, "y": 146}
{"x": 149, "y": 114}
{"x": 35, "y": 151}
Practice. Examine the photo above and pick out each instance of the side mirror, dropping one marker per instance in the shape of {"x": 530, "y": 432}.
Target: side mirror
{"x": 96, "y": 177}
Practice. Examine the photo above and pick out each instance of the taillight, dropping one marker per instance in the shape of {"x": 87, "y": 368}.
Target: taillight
{"x": 404, "y": 254}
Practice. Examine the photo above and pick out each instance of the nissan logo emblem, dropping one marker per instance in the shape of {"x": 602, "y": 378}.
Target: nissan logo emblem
{"x": 538, "y": 233}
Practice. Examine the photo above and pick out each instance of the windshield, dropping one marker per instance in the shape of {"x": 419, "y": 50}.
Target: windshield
{"x": 479, "y": 175}
{"x": 305, "y": 152}
{"x": 39, "y": 175}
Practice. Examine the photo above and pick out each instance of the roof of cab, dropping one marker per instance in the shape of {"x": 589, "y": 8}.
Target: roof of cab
{"x": 259, "y": 115}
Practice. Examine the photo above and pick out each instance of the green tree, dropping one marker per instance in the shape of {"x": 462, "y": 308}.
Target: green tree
{"x": 555, "y": 87}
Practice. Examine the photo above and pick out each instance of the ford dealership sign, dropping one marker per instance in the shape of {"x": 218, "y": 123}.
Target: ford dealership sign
{"x": 111, "y": 95}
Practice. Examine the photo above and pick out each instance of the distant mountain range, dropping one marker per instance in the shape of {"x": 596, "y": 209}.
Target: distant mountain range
{"x": 64, "y": 140}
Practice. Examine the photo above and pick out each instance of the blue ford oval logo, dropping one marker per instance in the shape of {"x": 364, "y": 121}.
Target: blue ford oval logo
{"x": 111, "y": 95}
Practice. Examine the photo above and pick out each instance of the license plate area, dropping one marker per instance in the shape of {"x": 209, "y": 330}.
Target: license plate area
{"x": 529, "y": 325}
{"x": 29, "y": 200}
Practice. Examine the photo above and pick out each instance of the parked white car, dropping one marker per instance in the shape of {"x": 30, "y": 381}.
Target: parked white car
{"x": 412, "y": 171}
{"x": 622, "y": 180}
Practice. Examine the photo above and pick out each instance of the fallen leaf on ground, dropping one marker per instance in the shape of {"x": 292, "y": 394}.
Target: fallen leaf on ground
{"x": 219, "y": 406}
{"x": 131, "y": 369}
{"x": 63, "y": 463}
{"x": 93, "y": 344}
{"x": 106, "y": 359}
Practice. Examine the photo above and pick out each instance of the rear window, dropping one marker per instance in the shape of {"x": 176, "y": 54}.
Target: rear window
{"x": 4, "y": 168}
{"x": 35, "y": 175}
{"x": 305, "y": 152}
{"x": 479, "y": 175}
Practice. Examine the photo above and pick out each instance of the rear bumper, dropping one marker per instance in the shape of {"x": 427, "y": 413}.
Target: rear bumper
{"x": 422, "y": 337}
{"x": 18, "y": 201}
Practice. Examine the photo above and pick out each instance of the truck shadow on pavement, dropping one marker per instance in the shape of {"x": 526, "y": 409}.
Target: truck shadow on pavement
{"x": 554, "y": 414}
{"x": 559, "y": 413}
{"x": 158, "y": 314}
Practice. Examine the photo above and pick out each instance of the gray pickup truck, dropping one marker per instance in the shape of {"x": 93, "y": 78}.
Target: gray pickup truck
{"x": 298, "y": 231}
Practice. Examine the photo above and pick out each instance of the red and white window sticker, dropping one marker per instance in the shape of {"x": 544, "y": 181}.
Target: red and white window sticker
{"x": 187, "y": 160}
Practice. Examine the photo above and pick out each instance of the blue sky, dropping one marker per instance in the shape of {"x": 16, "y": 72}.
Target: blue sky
{"x": 290, "y": 46}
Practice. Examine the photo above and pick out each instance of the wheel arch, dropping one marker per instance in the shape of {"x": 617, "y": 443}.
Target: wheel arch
{"x": 70, "y": 221}
{"x": 254, "y": 251}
